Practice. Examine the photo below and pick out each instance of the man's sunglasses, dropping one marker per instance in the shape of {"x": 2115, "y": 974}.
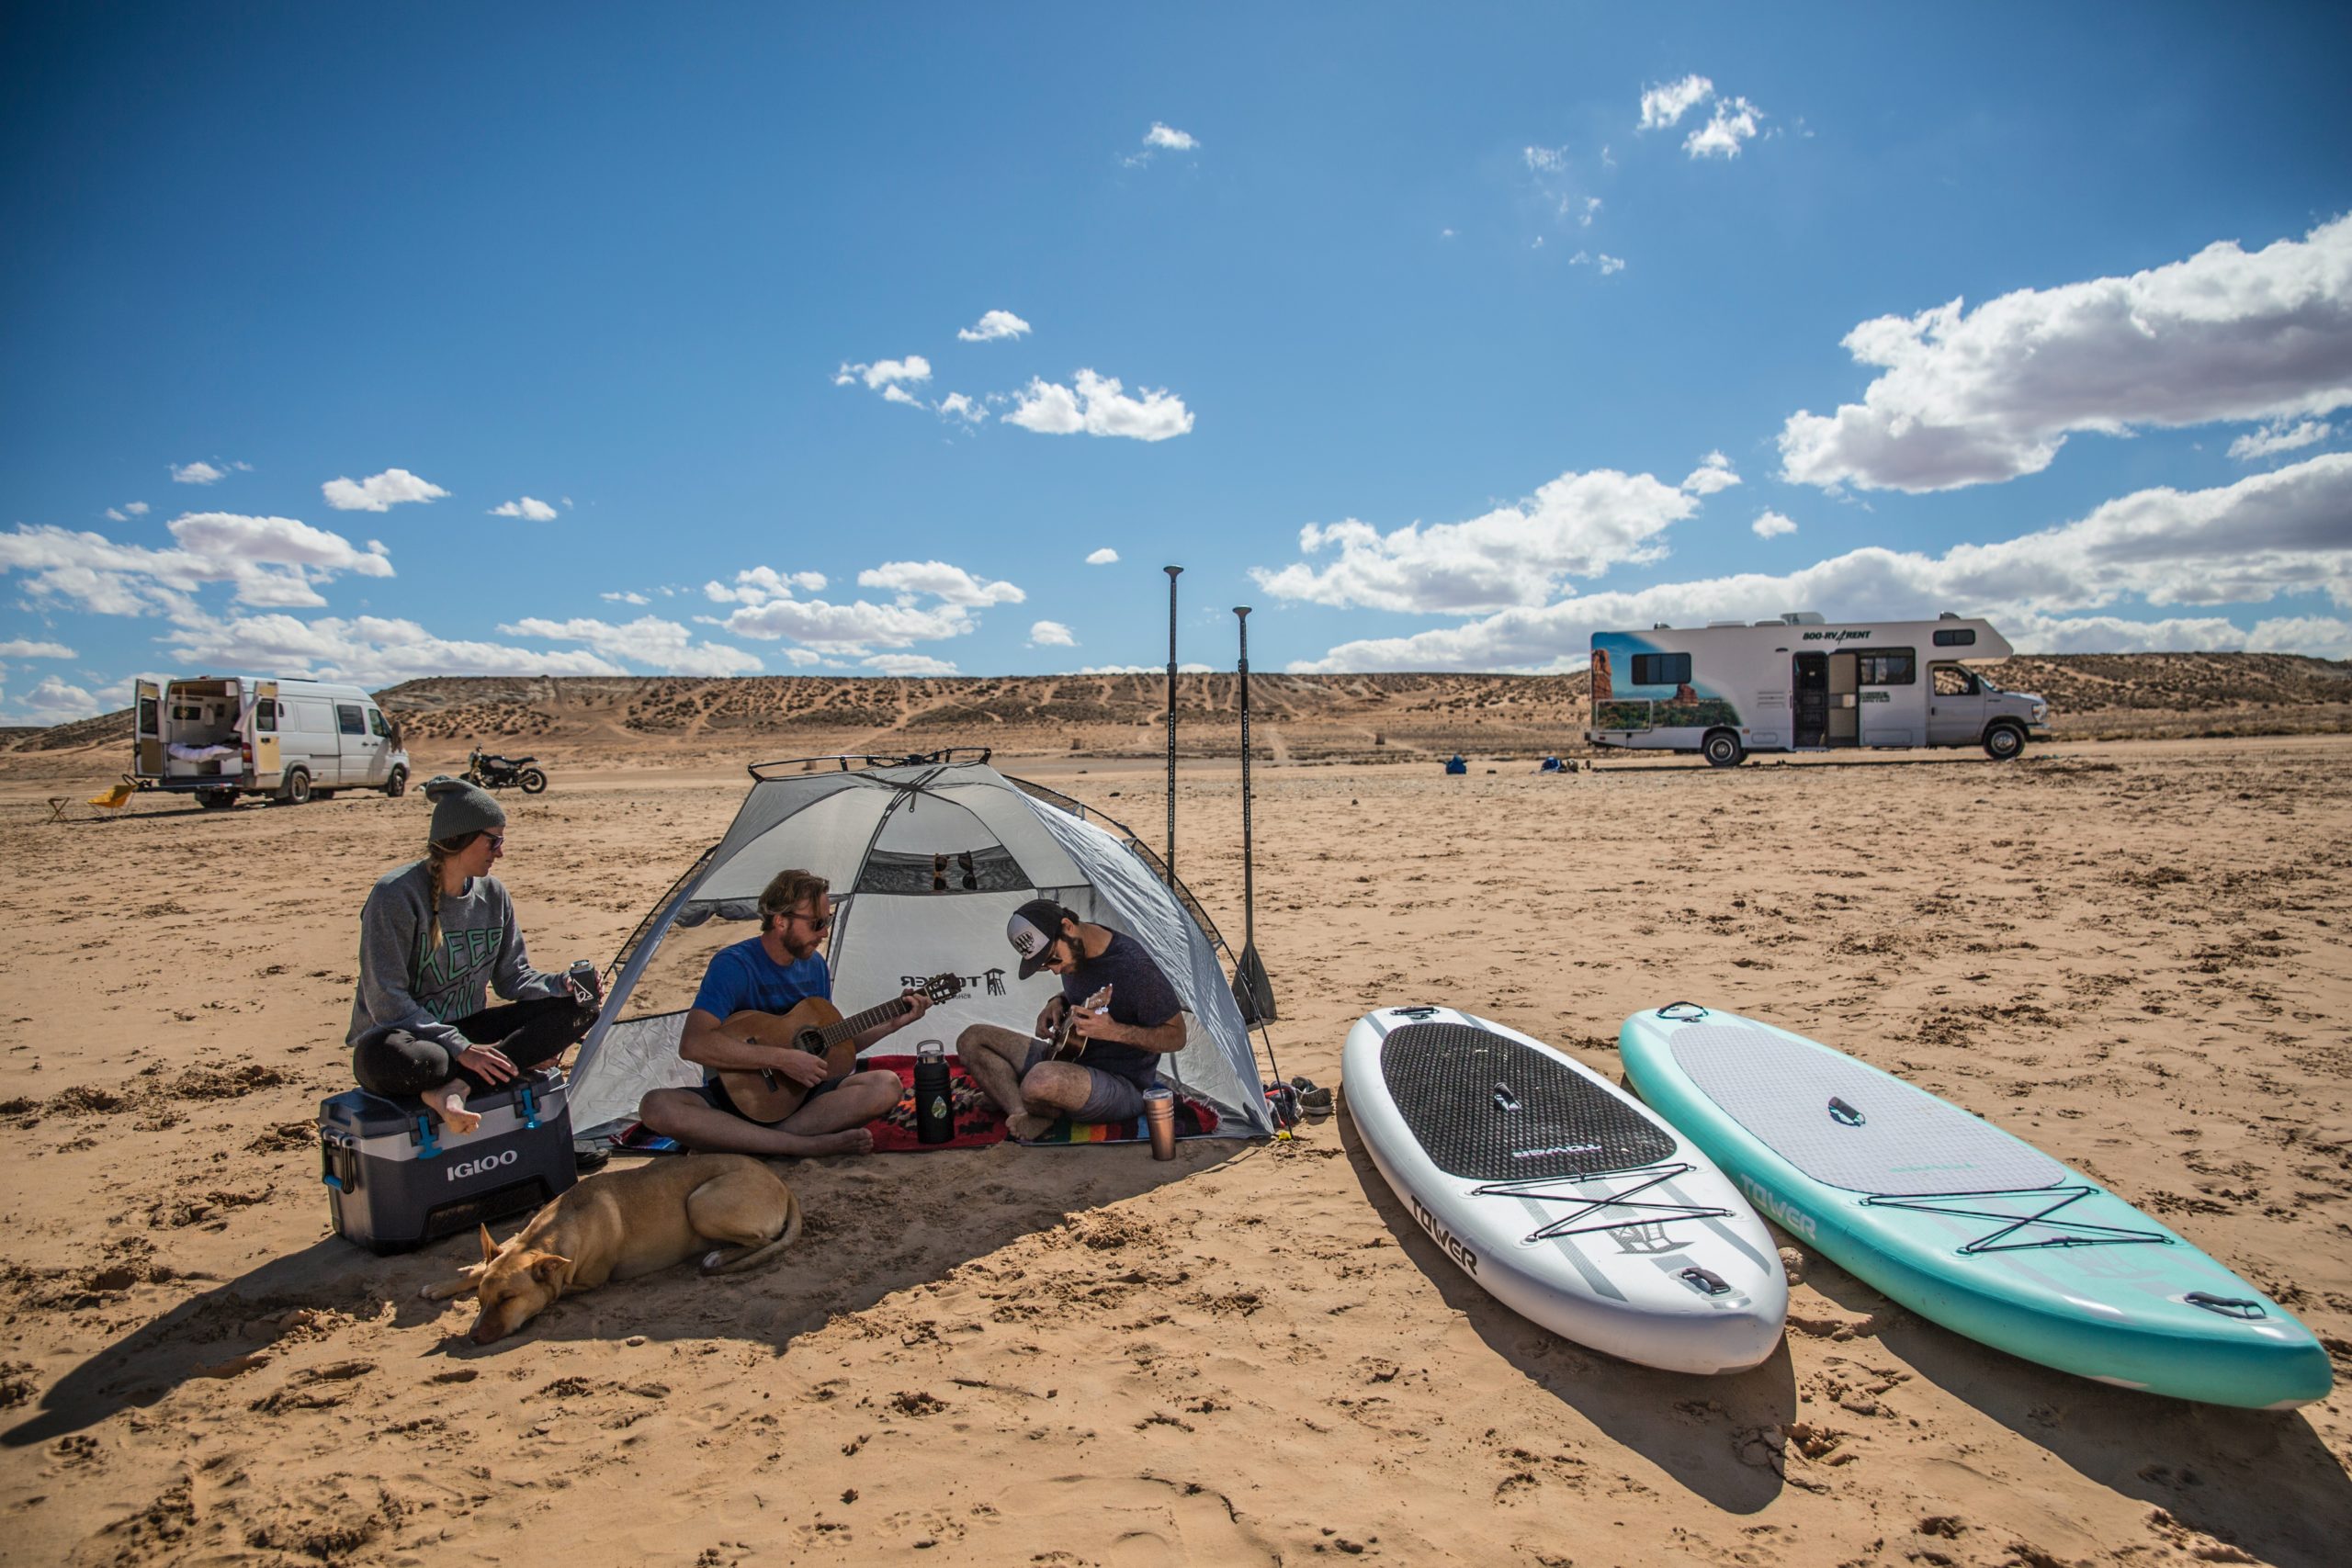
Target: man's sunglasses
{"x": 816, "y": 922}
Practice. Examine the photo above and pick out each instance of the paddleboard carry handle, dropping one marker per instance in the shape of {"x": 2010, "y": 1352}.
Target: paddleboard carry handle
{"x": 2228, "y": 1306}
{"x": 1705, "y": 1280}
{"x": 1844, "y": 1115}
{"x": 1682, "y": 1013}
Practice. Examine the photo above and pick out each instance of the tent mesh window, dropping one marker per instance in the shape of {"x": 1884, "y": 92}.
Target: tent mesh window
{"x": 1487, "y": 1108}
{"x": 988, "y": 870}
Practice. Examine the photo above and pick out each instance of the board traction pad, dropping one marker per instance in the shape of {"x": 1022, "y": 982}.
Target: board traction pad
{"x": 1909, "y": 1144}
{"x": 1444, "y": 1078}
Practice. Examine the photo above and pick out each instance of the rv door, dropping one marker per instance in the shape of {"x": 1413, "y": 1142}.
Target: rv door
{"x": 147, "y": 747}
{"x": 263, "y": 730}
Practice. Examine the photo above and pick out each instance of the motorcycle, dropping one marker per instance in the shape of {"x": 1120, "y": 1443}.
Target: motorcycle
{"x": 497, "y": 773}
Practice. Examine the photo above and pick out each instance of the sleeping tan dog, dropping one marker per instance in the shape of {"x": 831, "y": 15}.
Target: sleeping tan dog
{"x": 624, "y": 1224}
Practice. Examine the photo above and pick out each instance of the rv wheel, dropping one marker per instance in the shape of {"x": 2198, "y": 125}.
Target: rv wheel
{"x": 297, "y": 787}
{"x": 532, "y": 780}
{"x": 397, "y": 785}
{"x": 1722, "y": 749}
{"x": 2003, "y": 741}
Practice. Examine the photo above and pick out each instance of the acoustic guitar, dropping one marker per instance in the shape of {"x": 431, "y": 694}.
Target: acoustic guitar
{"x": 1067, "y": 1045}
{"x": 817, "y": 1027}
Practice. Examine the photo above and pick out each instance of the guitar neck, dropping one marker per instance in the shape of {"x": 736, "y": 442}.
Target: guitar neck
{"x": 858, "y": 1023}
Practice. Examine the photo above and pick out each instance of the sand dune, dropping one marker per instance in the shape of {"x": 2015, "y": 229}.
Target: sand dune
{"x": 2134, "y": 955}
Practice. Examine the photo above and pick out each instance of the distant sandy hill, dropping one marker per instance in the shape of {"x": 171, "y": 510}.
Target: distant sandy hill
{"x": 1301, "y": 717}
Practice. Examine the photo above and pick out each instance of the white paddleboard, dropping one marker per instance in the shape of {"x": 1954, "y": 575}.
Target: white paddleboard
{"x": 1565, "y": 1198}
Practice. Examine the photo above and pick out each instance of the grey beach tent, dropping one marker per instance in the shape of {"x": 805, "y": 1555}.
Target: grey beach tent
{"x": 926, "y": 858}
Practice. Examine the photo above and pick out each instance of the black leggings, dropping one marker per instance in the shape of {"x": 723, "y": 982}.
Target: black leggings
{"x": 398, "y": 1063}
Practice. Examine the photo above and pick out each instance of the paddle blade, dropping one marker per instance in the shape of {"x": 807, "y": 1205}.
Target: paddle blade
{"x": 1253, "y": 992}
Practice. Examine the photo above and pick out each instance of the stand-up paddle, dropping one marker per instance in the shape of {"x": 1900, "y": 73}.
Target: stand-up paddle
{"x": 1252, "y": 989}
{"x": 1171, "y": 571}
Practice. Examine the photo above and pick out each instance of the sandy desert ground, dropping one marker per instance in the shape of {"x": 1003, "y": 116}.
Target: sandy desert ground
{"x": 2135, "y": 954}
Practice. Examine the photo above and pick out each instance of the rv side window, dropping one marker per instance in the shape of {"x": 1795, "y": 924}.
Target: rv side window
{"x": 1965, "y": 636}
{"x": 347, "y": 720}
{"x": 377, "y": 726}
{"x": 265, "y": 716}
{"x": 1951, "y": 680}
{"x": 1889, "y": 666}
{"x": 1661, "y": 669}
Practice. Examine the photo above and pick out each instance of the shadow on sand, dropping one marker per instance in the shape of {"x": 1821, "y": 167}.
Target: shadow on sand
{"x": 870, "y": 1231}
{"x": 2260, "y": 1480}
{"x": 1702, "y": 1431}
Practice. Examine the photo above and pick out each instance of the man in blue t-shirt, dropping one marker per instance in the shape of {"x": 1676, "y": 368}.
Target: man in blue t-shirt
{"x": 1123, "y": 1034}
{"x": 774, "y": 973}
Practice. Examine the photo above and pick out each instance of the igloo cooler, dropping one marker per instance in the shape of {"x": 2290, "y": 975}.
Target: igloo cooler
{"x": 397, "y": 1179}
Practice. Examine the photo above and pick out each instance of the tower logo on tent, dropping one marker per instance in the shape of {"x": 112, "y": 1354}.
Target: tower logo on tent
{"x": 476, "y": 1167}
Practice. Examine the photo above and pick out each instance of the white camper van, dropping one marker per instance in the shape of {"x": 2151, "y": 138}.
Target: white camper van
{"x": 1799, "y": 684}
{"x": 222, "y": 738}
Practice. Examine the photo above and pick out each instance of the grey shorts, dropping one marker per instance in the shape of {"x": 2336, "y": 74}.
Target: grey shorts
{"x": 1112, "y": 1098}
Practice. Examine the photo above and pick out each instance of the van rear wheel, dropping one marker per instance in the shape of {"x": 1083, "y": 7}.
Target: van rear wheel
{"x": 1722, "y": 749}
{"x": 296, "y": 789}
{"x": 2003, "y": 742}
{"x": 216, "y": 799}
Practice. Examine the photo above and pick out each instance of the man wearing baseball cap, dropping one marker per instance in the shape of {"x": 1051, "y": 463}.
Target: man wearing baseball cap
{"x": 1123, "y": 1015}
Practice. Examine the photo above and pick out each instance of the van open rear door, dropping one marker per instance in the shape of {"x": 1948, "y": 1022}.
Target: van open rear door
{"x": 147, "y": 743}
{"x": 265, "y": 733}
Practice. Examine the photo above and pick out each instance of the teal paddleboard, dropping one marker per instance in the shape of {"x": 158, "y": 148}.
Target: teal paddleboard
{"x": 1961, "y": 1223}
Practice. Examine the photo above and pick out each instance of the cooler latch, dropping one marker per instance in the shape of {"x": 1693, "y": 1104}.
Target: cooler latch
{"x": 530, "y": 1103}
{"x": 428, "y": 1147}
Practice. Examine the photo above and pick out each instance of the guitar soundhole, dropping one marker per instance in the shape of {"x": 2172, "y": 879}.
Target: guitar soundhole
{"x": 811, "y": 1041}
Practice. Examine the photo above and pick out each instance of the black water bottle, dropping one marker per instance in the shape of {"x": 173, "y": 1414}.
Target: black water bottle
{"x": 934, "y": 1110}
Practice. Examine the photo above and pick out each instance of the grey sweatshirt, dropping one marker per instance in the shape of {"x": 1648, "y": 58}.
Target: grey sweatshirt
{"x": 402, "y": 986}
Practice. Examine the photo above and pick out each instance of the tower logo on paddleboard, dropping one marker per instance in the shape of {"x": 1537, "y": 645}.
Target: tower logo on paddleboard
{"x": 1455, "y": 1249}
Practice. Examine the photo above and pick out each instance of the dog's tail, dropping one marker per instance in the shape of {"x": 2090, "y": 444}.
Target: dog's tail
{"x": 756, "y": 1257}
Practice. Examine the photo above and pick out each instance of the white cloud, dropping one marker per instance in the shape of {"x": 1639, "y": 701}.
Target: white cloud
{"x": 937, "y": 578}
{"x": 1978, "y": 396}
{"x": 196, "y": 474}
{"x": 1106, "y": 556}
{"x": 1734, "y": 121}
{"x": 1099, "y": 408}
{"x": 762, "y": 583}
{"x": 804, "y": 657}
{"x": 625, "y": 597}
{"x": 1578, "y": 525}
{"x": 850, "y": 628}
{"x": 896, "y": 394}
{"x": 1607, "y": 263}
{"x": 116, "y": 516}
{"x": 955, "y": 405}
{"x": 272, "y": 561}
{"x": 1169, "y": 137}
{"x": 369, "y": 650}
{"x": 136, "y": 508}
{"x": 1590, "y": 210}
{"x": 380, "y": 493}
{"x": 1050, "y": 634}
{"x": 1663, "y": 105}
{"x": 1143, "y": 669}
{"x": 51, "y": 700}
{"x": 1544, "y": 159}
{"x": 1770, "y": 525}
{"x": 1713, "y": 473}
{"x": 2275, "y": 438}
{"x": 883, "y": 373}
{"x": 537, "y": 511}
{"x": 666, "y": 646}
{"x": 993, "y": 327}
{"x": 908, "y": 664}
{"x": 17, "y": 647}
{"x": 2269, "y": 535}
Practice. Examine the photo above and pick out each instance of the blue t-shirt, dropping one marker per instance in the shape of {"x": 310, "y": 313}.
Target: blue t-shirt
{"x": 744, "y": 977}
{"x": 1141, "y": 995}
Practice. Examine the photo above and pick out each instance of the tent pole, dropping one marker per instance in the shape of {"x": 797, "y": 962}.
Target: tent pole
{"x": 1252, "y": 988}
{"x": 1171, "y": 571}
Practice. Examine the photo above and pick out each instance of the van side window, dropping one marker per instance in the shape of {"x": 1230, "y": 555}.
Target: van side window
{"x": 376, "y": 724}
{"x": 1888, "y": 667}
{"x": 1661, "y": 669}
{"x": 265, "y": 716}
{"x": 147, "y": 707}
{"x": 1963, "y": 637}
{"x": 1951, "y": 680}
{"x": 347, "y": 720}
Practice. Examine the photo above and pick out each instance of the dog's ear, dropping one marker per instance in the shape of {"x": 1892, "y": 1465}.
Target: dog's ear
{"x": 549, "y": 1269}
{"x": 489, "y": 1248}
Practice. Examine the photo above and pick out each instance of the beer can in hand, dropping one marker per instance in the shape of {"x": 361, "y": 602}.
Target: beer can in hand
{"x": 1159, "y": 1116}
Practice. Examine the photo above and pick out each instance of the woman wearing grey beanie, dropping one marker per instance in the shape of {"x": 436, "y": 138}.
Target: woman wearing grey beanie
{"x": 433, "y": 936}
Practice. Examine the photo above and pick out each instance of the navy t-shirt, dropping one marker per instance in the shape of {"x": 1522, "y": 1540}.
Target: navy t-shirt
{"x": 1141, "y": 995}
{"x": 744, "y": 977}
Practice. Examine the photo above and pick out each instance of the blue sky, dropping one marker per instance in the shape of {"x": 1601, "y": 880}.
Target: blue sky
{"x": 433, "y": 338}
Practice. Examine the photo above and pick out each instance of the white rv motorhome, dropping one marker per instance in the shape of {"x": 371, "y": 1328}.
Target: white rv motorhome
{"x": 222, "y": 738}
{"x": 1800, "y": 683}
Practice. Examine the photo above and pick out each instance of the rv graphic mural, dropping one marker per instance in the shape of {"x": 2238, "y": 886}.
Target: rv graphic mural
{"x": 1636, "y": 686}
